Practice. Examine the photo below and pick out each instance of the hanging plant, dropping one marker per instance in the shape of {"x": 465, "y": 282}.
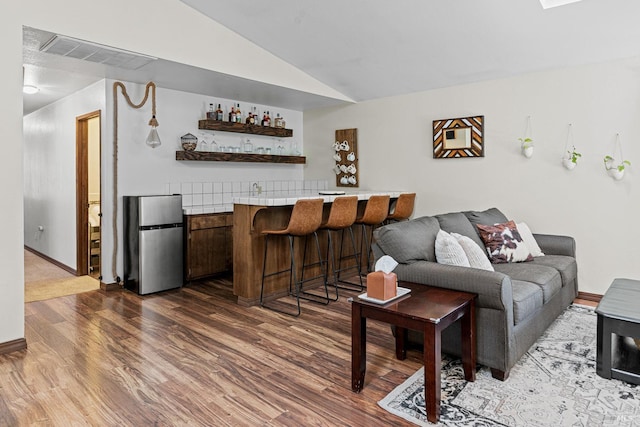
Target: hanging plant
{"x": 526, "y": 143}
{"x": 571, "y": 159}
{"x": 616, "y": 169}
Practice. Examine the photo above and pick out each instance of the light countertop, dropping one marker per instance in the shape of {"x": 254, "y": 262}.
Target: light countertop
{"x": 283, "y": 199}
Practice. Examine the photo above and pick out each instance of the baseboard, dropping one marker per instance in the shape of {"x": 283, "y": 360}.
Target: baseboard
{"x": 110, "y": 286}
{"x": 52, "y": 261}
{"x": 589, "y": 297}
{"x": 11, "y": 346}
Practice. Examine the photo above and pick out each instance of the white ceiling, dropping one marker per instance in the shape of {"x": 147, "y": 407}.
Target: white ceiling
{"x": 369, "y": 49}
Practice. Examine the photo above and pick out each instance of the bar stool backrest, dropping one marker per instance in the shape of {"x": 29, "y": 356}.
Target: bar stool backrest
{"x": 404, "y": 206}
{"x": 376, "y": 210}
{"x": 343, "y": 213}
{"x": 306, "y": 217}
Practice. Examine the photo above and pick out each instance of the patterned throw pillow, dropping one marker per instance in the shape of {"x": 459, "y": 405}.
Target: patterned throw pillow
{"x": 449, "y": 251}
{"x": 529, "y": 240}
{"x": 504, "y": 243}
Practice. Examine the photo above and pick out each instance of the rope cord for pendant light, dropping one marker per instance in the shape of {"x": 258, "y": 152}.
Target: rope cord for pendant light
{"x": 152, "y": 122}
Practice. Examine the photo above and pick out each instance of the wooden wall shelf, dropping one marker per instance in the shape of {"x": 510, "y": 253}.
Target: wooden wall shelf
{"x": 238, "y": 157}
{"x": 208, "y": 124}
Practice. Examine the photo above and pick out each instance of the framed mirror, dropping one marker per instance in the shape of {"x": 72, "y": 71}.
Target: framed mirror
{"x": 455, "y": 138}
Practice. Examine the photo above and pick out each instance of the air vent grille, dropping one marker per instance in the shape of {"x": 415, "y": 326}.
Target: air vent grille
{"x": 86, "y": 51}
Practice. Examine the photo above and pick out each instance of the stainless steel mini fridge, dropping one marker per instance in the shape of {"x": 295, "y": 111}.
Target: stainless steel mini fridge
{"x": 153, "y": 233}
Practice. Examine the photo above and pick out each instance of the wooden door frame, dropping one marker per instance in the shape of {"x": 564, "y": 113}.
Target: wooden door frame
{"x": 82, "y": 189}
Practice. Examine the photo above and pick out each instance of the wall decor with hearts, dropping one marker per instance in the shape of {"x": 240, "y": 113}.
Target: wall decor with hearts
{"x": 345, "y": 154}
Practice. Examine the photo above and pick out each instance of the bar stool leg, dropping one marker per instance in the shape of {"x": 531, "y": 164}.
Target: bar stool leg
{"x": 310, "y": 296}
{"x": 292, "y": 277}
{"x": 357, "y": 266}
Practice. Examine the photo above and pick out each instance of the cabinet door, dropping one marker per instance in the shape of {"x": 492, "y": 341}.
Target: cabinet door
{"x": 207, "y": 252}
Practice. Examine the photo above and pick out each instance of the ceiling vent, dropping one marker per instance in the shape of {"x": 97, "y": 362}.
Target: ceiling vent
{"x": 80, "y": 49}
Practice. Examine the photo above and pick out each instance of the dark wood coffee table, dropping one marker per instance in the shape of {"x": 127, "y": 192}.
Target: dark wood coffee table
{"x": 618, "y": 312}
{"x": 426, "y": 309}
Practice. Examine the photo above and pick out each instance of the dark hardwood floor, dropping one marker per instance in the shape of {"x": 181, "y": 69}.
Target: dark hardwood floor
{"x": 194, "y": 357}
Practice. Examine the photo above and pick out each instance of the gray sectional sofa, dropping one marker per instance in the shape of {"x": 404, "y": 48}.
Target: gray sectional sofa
{"x": 516, "y": 302}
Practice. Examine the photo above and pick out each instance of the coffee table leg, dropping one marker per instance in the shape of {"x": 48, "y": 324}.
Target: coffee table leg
{"x": 468, "y": 324}
{"x": 432, "y": 360}
{"x": 401, "y": 343}
{"x": 603, "y": 347}
{"x": 358, "y": 348}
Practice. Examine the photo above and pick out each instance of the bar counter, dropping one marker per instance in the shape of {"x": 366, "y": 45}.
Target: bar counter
{"x": 251, "y": 215}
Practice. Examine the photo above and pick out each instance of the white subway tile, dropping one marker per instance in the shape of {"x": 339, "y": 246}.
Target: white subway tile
{"x": 187, "y": 188}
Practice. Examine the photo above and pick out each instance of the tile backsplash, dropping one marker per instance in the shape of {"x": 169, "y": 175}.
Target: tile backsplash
{"x": 204, "y": 197}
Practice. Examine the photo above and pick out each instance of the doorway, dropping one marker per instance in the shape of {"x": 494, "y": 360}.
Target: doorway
{"x": 88, "y": 194}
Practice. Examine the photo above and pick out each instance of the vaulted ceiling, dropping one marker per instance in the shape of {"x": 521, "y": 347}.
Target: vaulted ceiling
{"x": 368, "y": 49}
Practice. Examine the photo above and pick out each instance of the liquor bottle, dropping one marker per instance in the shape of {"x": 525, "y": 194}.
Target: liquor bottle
{"x": 279, "y": 121}
{"x": 266, "y": 120}
{"x": 219, "y": 113}
{"x": 238, "y": 114}
{"x": 211, "y": 114}
{"x": 255, "y": 118}
{"x": 249, "y": 119}
{"x": 232, "y": 114}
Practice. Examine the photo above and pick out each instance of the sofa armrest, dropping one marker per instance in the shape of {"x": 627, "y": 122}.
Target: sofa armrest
{"x": 556, "y": 245}
{"x": 493, "y": 289}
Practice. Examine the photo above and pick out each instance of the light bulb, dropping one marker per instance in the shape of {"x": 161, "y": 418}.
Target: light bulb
{"x": 153, "y": 140}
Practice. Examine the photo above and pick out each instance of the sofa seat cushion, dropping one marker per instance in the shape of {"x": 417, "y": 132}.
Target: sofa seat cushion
{"x": 547, "y": 278}
{"x": 527, "y": 299}
{"x": 409, "y": 241}
{"x": 566, "y": 265}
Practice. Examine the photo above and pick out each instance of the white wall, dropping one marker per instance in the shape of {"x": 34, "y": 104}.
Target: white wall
{"x": 11, "y": 214}
{"x": 50, "y": 173}
{"x": 395, "y": 152}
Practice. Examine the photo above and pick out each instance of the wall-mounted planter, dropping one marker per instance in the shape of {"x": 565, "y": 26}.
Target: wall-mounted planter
{"x": 614, "y": 169}
{"x": 616, "y": 174}
{"x": 527, "y": 151}
{"x": 568, "y": 164}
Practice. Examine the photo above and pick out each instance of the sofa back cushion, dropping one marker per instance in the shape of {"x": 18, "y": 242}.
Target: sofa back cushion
{"x": 489, "y": 217}
{"x": 457, "y": 222}
{"x": 409, "y": 241}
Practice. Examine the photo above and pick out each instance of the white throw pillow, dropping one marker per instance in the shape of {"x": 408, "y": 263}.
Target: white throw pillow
{"x": 529, "y": 240}
{"x": 449, "y": 251}
{"x": 475, "y": 254}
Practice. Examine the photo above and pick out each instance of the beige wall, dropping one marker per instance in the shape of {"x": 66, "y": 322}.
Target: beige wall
{"x": 395, "y": 152}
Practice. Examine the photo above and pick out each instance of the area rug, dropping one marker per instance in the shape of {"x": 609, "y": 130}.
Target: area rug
{"x": 553, "y": 384}
{"x": 47, "y": 289}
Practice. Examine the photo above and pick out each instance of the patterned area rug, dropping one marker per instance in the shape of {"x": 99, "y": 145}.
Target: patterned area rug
{"x": 553, "y": 384}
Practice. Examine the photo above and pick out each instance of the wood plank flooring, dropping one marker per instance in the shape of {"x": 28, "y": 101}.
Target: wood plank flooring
{"x": 194, "y": 357}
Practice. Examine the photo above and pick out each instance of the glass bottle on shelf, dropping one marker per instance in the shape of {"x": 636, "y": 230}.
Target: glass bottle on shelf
{"x": 248, "y": 146}
{"x": 232, "y": 114}
{"x": 266, "y": 120}
{"x": 238, "y": 114}
{"x": 279, "y": 121}
{"x": 219, "y": 113}
{"x": 211, "y": 114}
{"x": 249, "y": 118}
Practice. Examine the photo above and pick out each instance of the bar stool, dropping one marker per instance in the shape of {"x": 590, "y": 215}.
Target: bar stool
{"x": 375, "y": 212}
{"x": 305, "y": 220}
{"x": 341, "y": 217}
{"x": 403, "y": 208}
